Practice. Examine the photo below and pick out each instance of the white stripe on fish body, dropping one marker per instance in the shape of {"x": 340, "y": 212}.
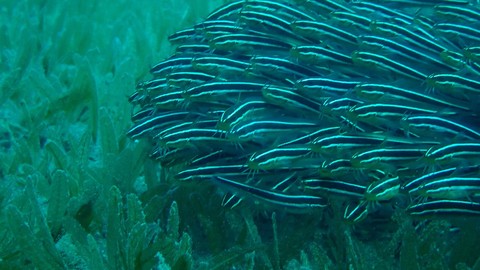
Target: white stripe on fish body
{"x": 197, "y": 48}
{"x": 383, "y": 93}
{"x": 221, "y": 91}
{"x": 389, "y": 157}
{"x": 286, "y": 183}
{"x": 444, "y": 207}
{"x": 424, "y": 24}
{"x": 223, "y": 98}
{"x": 213, "y": 31}
{"x": 325, "y": 6}
{"x": 449, "y": 188}
{"x": 454, "y": 84}
{"x": 189, "y": 35}
{"x": 269, "y": 23}
{"x": 340, "y": 169}
{"x": 338, "y": 106}
{"x": 207, "y": 172}
{"x": 280, "y": 152}
{"x": 377, "y": 9}
{"x": 353, "y": 126}
{"x": 349, "y": 20}
{"x": 412, "y": 38}
{"x": 334, "y": 187}
{"x": 383, "y": 190}
{"x": 310, "y": 136}
{"x": 231, "y": 201}
{"x": 464, "y": 35}
{"x": 212, "y": 23}
{"x": 472, "y": 53}
{"x": 206, "y": 158}
{"x": 266, "y": 132}
{"x": 336, "y": 109}
{"x": 169, "y": 101}
{"x": 357, "y": 213}
{"x": 292, "y": 202}
{"x": 332, "y": 145}
{"x": 156, "y": 87}
{"x": 185, "y": 79}
{"x": 248, "y": 44}
{"x": 454, "y": 150}
{"x": 430, "y": 177}
{"x": 215, "y": 28}
{"x": 174, "y": 63}
{"x": 474, "y": 68}
{"x": 193, "y": 76}
{"x": 421, "y": 3}
{"x": 243, "y": 112}
{"x": 452, "y": 12}
{"x": 143, "y": 114}
{"x": 192, "y": 137}
{"x": 321, "y": 31}
{"x": 182, "y": 125}
{"x": 156, "y": 122}
{"x": 279, "y": 67}
{"x": 390, "y": 110}
{"x": 454, "y": 59}
{"x": 323, "y": 87}
{"x": 139, "y": 97}
{"x": 226, "y": 11}
{"x": 378, "y": 61}
{"x": 290, "y": 100}
{"x": 279, "y": 158}
{"x": 426, "y": 125}
{"x": 267, "y": 129}
{"x": 343, "y": 163}
{"x": 385, "y": 116}
{"x": 390, "y": 47}
{"x": 220, "y": 65}
{"x": 281, "y": 8}
{"x": 156, "y": 84}
{"x": 317, "y": 55}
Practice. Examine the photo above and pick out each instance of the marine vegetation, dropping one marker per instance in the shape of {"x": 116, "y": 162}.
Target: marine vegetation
{"x": 266, "y": 134}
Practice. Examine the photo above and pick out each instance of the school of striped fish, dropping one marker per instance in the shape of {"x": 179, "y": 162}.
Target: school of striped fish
{"x": 373, "y": 105}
